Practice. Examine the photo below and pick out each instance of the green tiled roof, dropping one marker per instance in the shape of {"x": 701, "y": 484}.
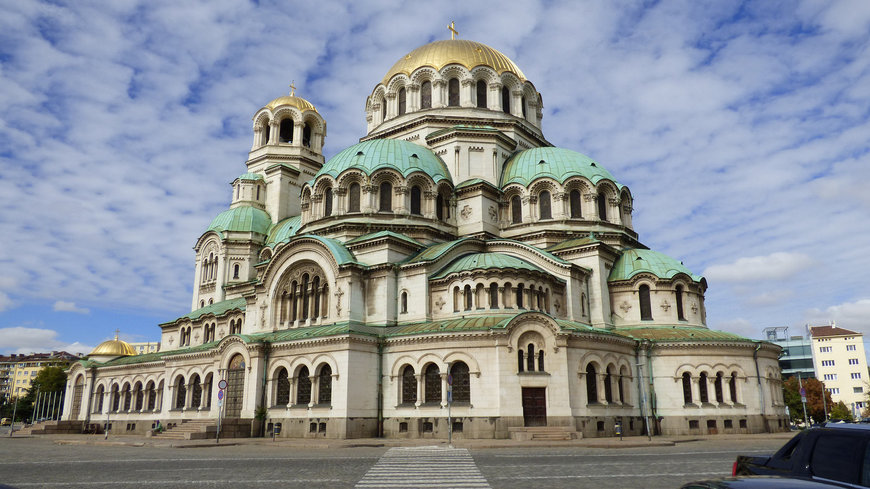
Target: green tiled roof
{"x": 571, "y": 243}
{"x": 402, "y": 156}
{"x": 485, "y": 261}
{"x": 251, "y": 177}
{"x": 435, "y": 251}
{"x": 242, "y": 219}
{"x": 678, "y": 333}
{"x": 383, "y": 234}
{"x": 634, "y": 261}
{"x": 341, "y": 254}
{"x": 218, "y": 309}
{"x": 559, "y": 164}
{"x": 283, "y": 230}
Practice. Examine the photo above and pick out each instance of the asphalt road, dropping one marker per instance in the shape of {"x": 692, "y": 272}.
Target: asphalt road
{"x": 39, "y": 463}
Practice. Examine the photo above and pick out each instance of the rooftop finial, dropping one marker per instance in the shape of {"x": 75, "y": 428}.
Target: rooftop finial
{"x": 293, "y": 88}
{"x": 117, "y": 332}
{"x": 453, "y": 30}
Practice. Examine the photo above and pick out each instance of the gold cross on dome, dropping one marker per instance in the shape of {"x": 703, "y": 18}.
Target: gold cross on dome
{"x": 453, "y": 30}
{"x": 292, "y": 88}
{"x": 117, "y": 332}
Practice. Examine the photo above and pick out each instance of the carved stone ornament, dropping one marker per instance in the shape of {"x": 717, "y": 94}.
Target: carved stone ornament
{"x": 440, "y": 303}
{"x": 557, "y": 305}
{"x": 466, "y": 212}
{"x": 221, "y": 333}
{"x": 338, "y": 294}
{"x": 262, "y": 314}
{"x": 171, "y": 340}
{"x": 625, "y": 306}
{"x": 590, "y": 197}
{"x": 492, "y": 214}
{"x": 196, "y": 336}
{"x": 695, "y": 307}
{"x": 665, "y": 305}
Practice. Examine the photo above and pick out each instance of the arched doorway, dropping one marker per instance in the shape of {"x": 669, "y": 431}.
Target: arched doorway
{"x": 235, "y": 386}
{"x": 78, "y": 390}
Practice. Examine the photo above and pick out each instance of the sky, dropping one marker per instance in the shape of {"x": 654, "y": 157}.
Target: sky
{"x": 741, "y": 128}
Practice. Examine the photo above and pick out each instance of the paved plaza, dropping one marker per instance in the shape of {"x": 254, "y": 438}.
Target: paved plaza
{"x": 89, "y": 461}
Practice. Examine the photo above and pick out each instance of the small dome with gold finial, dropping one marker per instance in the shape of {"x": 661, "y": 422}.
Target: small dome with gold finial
{"x": 114, "y": 348}
{"x": 291, "y": 100}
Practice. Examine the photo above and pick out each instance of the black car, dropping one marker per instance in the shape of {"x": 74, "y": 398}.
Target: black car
{"x": 837, "y": 454}
{"x": 760, "y": 482}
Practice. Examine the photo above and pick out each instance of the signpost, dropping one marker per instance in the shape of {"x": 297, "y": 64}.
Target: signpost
{"x": 221, "y": 385}
{"x": 804, "y": 400}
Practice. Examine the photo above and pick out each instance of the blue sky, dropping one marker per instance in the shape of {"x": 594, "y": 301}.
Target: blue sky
{"x": 742, "y": 129}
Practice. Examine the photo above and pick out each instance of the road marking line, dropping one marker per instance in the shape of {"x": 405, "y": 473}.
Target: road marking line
{"x": 424, "y": 467}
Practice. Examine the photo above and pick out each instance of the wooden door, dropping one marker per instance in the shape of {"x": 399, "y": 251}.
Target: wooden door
{"x": 235, "y": 387}
{"x": 534, "y": 406}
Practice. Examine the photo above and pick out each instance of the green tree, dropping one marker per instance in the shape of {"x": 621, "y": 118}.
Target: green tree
{"x": 48, "y": 379}
{"x": 815, "y": 408}
{"x": 841, "y": 411}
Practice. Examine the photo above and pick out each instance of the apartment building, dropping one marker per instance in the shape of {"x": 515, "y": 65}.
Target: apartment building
{"x": 17, "y": 371}
{"x": 841, "y": 364}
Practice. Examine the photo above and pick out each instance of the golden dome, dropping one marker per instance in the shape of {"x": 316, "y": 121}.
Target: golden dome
{"x": 439, "y": 54}
{"x": 293, "y": 101}
{"x": 114, "y": 348}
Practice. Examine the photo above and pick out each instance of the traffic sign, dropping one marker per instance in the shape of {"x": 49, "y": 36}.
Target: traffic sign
{"x": 222, "y": 384}
{"x": 220, "y": 402}
{"x": 803, "y": 392}
{"x": 220, "y": 394}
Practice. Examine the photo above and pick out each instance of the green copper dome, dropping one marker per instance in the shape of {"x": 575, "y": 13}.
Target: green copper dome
{"x": 283, "y": 230}
{"x": 251, "y": 177}
{"x": 402, "y": 156}
{"x": 244, "y": 219}
{"x": 557, "y": 163}
{"x": 485, "y": 261}
{"x": 634, "y": 261}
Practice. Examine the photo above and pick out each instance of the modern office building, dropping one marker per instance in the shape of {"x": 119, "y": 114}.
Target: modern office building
{"x": 797, "y": 351}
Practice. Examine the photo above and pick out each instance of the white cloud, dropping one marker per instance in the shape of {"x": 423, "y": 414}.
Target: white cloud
{"x": 70, "y": 307}
{"x": 775, "y": 266}
{"x": 850, "y": 315}
{"x": 29, "y": 340}
{"x": 5, "y": 302}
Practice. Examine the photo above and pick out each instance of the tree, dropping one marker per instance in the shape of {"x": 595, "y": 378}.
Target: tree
{"x": 840, "y": 411}
{"x": 815, "y": 409}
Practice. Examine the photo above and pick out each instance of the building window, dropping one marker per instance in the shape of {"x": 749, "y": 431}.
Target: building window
{"x": 834, "y": 390}
{"x": 353, "y": 198}
{"x": 493, "y": 295}
{"x": 505, "y": 100}
{"x": 687, "y": 388}
{"x": 467, "y": 295}
{"x": 591, "y": 384}
{"x": 404, "y": 306}
{"x": 180, "y": 393}
{"x": 853, "y": 361}
{"x": 602, "y": 206}
{"x": 830, "y": 376}
{"x": 576, "y": 207}
{"x": 461, "y": 382}
{"x": 303, "y": 387}
{"x": 282, "y": 389}
{"x": 645, "y": 307}
{"x": 385, "y": 195}
{"x": 453, "y": 92}
{"x": 433, "y": 384}
{"x": 383, "y": 109}
{"x": 481, "y": 94}
{"x": 827, "y": 363}
{"x": 285, "y": 133}
{"x": 608, "y": 385}
{"x": 426, "y": 95}
{"x": 702, "y": 385}
{"x": 523, "y": 106}
{"x": 850, "y": 347}
{"x": 680, "y": 315}
{"x": 516, "y": 209}
{"x": 857, "y": 390}
{"x": 720, "y": 398}
{"x": 520, "y": 293}
{"x": 439, "y": 207}
{"x": 402, "y": 101}
{"x": 324, "y": 385}
{"x": 327, "y": 202}
{"x": 409, "y": 385}
{"x": 236, "y": 270}
{"x": 544, "y": 205}
{"x": 196, "y": 395}
{"x": 416, "y": 195}
{"x": 856, "y": 375}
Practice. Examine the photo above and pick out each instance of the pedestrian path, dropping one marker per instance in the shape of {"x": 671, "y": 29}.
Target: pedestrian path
{"x": 424, "y": 467}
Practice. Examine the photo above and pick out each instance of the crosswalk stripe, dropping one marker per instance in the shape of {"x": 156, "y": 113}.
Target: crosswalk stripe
{"x": 424, "y": 467}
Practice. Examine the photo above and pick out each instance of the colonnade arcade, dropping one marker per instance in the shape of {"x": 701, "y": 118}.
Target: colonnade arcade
{"x": 576, "y": 199}
{"x": 506, "y": 293}
{"x": 291, "y": 127}
{"x": 128, "y": 397}
{"x": 303, "y": 297}
{"x": 710, "y": 387}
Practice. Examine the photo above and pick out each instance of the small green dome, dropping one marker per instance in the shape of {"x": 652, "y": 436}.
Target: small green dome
{"x": 634, "y": 261}
{"x": 557, "y": 163}
{"x": 245, "y": 219}
{"x": 251, "y": 177}
{"x": 402, "y": 156}
{"x": 283, "y": 230}
{"x": 485, "y": 261}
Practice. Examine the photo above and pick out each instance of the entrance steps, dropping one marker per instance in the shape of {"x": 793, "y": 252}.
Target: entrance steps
{"x": 52, "y": 427}
{"x": 197, "y": 429}
{"x": 544, "y": 433}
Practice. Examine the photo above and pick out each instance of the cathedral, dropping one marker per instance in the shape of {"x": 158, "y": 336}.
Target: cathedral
{"x": 451, "y": 273}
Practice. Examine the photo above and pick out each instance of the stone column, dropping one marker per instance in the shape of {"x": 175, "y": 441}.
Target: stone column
{"x": 412, "y": 98}
{"x": 392, "y": 108}
{"x": 438, "y": 100}
{"x": 400, "y": 196}
{"x": 297, "y": 133}
{"x": 493, "y": 99}
{"x": 420, "y": 397}
{"x": 444, "y": 389}
{"x": 274, "y": 128}
{"x": 465, "y": 98}
{"x": 516, "y": 103}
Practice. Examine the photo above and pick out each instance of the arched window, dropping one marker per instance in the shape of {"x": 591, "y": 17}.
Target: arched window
{"x": 304, "y": 296}
{"x": 456, "y": 299}
{"x": 324, "y": 385}
{"x": 258, "y": 192}
{"x": 383, "y": 109}
{"x": 702, "y": 388}
{"x": 576, "y": 208}
{"x": 439, "y": 207}
{"x": 409, "y": 385}
{"x": 591, "y": 385}
{"x": 467, "y": 294}
{"x": 481, "y": 94}
{"x": 516, "y": 209}
{"x": 433, "y": 384}
{"x": 386, "y": 197}
{"x": 416, "y": 195}
{"x": 303, "y": 387}
{"x": 453, "y": 92}
{"x": 717, "y": 384}
{"x": 645, "y": 307}
{"x": 267, "y": 132}
{"x": 544, "y": 205}
{"x": 687, "y": 388}
{"x": 523, "y": 105}
{"x": 402, "y": 101}
{"x": 521, "y": 362}
{"x": 608, "y": 385}
{"x": 315, "y": 290}
{"x": 353, "y": 198}
{"x": 732, "y": 386}
{"x": 306, "y": 141}
{"x": 196, "y": 395}
{"x": 180, "y": 393}
{"x": 461, "y": 382}
{"x": 541, "y": 360}
{"x": 505, "y": 100}
{"x": 426, "y": 95}
{"x": 680, "y": 314}
{"x": 98, "y": 405}
{"x": 206, "y": 390}
{"x": 236, "y": 270}
{"x": 327, "y": 202}
{"x": 520, "y": 293}
{"x": 282, "y": 389}
{"x": 138, "y": 396}
{"x": 602, "y": 206}
{"x": 620, "y": 382}
{"x": 493, "y": 295}
{"x": 404, "y": 308}
{"x": 285, "y": 133}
